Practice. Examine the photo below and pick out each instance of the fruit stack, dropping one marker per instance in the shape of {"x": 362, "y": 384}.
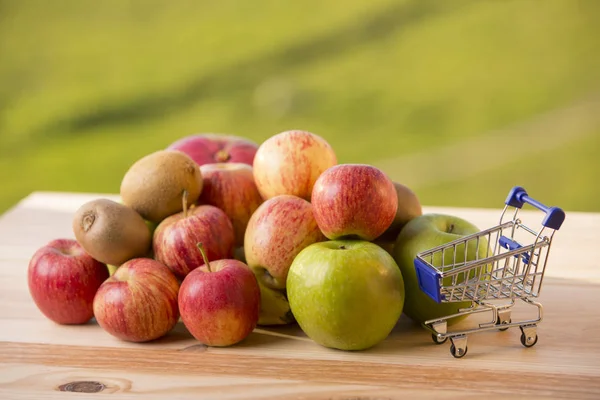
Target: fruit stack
{"x": 225, "y": 234}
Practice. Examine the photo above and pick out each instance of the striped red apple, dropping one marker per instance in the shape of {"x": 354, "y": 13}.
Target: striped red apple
{"x": 138, "y": 303}
{"x": 354, "y": 201}
{"x": 63, "y": 279}
{"x": 231, "y": 187}
{"x": 176, "y": 237}
{"x": 208, "y": 148}
{"x": 290, "y": 162}
{"x": 279, "y": 229}
{"x": 219, "y": 301}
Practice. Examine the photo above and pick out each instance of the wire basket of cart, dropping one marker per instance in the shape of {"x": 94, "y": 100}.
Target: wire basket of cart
{"x": 490, "y": 270}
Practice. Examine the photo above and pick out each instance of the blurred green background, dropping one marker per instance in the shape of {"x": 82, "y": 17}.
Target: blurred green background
{"x": 460, "y": 100}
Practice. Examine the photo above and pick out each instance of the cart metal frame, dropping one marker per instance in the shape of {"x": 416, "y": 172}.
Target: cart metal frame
{"x": 491, "y": 270}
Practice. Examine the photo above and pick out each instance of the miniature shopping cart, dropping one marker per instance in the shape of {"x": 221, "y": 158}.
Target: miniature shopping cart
{"x": 488, "y": 271}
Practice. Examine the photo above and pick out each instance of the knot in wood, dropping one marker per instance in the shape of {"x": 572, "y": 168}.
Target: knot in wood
{"x": 82, "y": 387}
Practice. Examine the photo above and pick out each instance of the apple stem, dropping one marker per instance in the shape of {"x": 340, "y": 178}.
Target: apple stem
{"x": 184, "y": 202}
{"x": 222, "y": 156}
{"x": 201, "y": 248}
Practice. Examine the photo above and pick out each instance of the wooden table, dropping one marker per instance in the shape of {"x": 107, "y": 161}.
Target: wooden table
{"x": 42, "y": 360}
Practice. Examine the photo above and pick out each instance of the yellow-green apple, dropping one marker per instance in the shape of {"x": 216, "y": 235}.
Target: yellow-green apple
{"x": 290, "y": 162}
{"x": 138, "y": 303}
{"x": 175, "y": 238}
{"x": 354, "y": 201}
{"x": 63, "y": 280}
{"x": 208, "y": 148}
{"x": 231, "y": 187}
{"x": 423, "y": 233}
{"x": 409, "y": 207}
{"x": 274, "y": 306}
{"x": 219, "y": 301}
{"x": 151, "y": 226}
{"x": 277, "y": 231}
{"x": 345, "y": 294}
{"x": 112, "y": 268}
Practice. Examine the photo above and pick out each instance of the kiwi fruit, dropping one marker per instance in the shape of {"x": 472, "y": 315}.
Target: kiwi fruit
{"x": 111, "y": 232}
{"x": 155, "y": 184}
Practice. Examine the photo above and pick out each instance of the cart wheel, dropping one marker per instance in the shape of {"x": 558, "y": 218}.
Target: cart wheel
{"x": 500, "y": 323}
{"x": 529, "y": 343}
{"x": 437, "y": 340}
{"x": 457, "y": 354}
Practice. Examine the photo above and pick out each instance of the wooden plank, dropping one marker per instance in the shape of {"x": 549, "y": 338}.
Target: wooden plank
{"x": 26, "y": 381}
{"x": 44, "y": 381}
{"x": 478, "y": 378}
{"x": 37, "y": 356}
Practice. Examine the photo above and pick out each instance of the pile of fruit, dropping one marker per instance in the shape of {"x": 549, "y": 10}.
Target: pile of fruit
{"x": 225, "y": 234}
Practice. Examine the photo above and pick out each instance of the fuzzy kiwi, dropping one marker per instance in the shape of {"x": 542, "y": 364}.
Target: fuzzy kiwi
{"x": 111, "y": 232}
{"x": 154, "y": 185}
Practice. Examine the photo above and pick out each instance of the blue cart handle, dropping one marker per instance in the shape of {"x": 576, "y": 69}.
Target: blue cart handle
{"x": 554, "y": 215}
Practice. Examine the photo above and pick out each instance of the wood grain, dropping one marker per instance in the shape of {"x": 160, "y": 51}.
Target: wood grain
{"x": 37, "y": 357}
{"x": 181, "y": 363}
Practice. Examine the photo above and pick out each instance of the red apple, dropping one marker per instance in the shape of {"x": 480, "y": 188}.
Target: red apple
{"x": 175, "y": 238}
{"x": 219, "y": 301}
{"x": 354, "y": 201}
{"x": 139, "y": 302}
{"x": 208, "y": 148}
{"x": 290, "y": 163}
{"x": 63, "y": 280}
{"x": 279, "y": 229}
{"x": 231, "y": 187}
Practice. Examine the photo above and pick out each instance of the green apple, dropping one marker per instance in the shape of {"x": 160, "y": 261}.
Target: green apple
{"x": 151, "y": 226}
{"x": 423, "y": 233}
{"x": 345, "y": 294}
{"x": 112, "y": 269}
{"x": 274, "y": 307}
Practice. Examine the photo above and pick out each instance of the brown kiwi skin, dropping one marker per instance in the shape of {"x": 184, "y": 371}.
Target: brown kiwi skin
{"x": 154, "y": 185}
{"x": 111, "y": 232}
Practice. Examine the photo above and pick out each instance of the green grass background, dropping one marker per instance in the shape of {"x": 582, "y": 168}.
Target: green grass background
{"x": 87, "y": 88}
